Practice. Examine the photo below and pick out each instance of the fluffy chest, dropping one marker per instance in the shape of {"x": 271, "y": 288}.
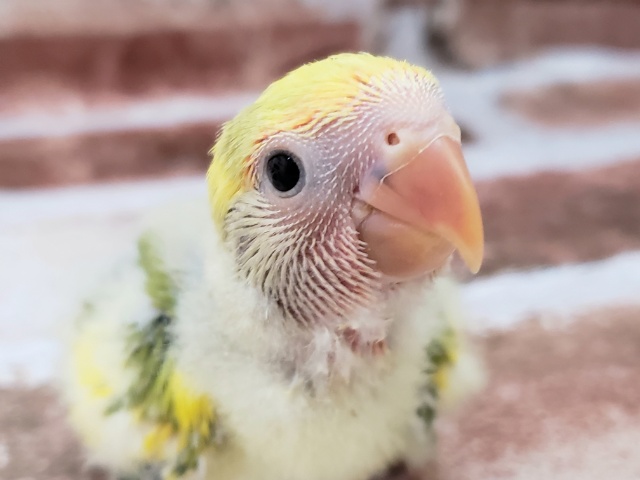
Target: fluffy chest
{"x": 339, "y": 430}
{"x": 315, "y": 423}
{"x": 310, "y": 410}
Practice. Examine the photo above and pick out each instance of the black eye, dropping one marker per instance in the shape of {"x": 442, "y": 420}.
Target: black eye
{"x": 285, "y": 172}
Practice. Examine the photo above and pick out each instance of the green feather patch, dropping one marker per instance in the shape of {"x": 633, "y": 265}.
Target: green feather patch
{"x": 440, "y": 355}
{"x": 159, "y": 395}
{"x": 159, "y": 285}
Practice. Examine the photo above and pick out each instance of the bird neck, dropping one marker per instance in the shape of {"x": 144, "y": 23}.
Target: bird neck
{"x": 323, "y": 352}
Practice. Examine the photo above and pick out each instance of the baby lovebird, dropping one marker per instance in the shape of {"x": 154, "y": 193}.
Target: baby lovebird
{"x": 295, "y": 326}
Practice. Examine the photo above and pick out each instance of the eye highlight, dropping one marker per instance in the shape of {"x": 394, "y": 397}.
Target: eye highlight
{"x": 285, "y": 172}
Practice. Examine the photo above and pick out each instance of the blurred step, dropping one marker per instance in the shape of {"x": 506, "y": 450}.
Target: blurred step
{"x": 138, "y": 139}
{"x": 135, "y": 89}
{"x": 145, "y": 48}
{"x": 229, "y": 57}
{"x": 553, "y": 218}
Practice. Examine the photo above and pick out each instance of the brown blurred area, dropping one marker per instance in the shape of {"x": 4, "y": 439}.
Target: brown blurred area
{"x": 477, "y": 33}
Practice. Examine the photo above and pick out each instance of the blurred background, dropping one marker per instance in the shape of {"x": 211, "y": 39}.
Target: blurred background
{"x": 108, "y": 108}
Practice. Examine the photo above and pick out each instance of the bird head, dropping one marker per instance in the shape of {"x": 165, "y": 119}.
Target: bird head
{"x": 346, "y": 176}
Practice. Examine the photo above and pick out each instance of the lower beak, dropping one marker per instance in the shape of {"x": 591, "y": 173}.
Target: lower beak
{"x": 417, "y": 206}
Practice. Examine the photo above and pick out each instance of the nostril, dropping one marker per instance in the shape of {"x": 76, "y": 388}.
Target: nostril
{"x": 393, "y": 139}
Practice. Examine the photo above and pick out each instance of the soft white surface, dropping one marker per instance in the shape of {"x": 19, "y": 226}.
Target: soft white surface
{"x": 339, "y": 9}
{"x": 26, "y": 208}
{"x": 558, "y": 293}
{"x": 164, "y": 112}
{"x": 32, "y": 362}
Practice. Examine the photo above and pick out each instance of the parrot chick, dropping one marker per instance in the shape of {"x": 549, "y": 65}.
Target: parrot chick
{"x": 295, "y": 326}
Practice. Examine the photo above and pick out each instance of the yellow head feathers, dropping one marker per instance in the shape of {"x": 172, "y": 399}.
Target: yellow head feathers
{"x": 304, "y": 101}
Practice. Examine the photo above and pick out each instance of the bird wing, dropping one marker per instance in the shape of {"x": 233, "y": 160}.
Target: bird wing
{"x": 123, "y": 365}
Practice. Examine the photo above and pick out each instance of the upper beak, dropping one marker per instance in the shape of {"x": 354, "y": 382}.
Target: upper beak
{"x": 419, "y": 206}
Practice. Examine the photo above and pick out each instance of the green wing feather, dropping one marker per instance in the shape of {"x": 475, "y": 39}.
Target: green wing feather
{"x": 159, "y": 394}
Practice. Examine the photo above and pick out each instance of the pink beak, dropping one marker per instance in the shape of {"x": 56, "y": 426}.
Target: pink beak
{"x": 421, "y": 206}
